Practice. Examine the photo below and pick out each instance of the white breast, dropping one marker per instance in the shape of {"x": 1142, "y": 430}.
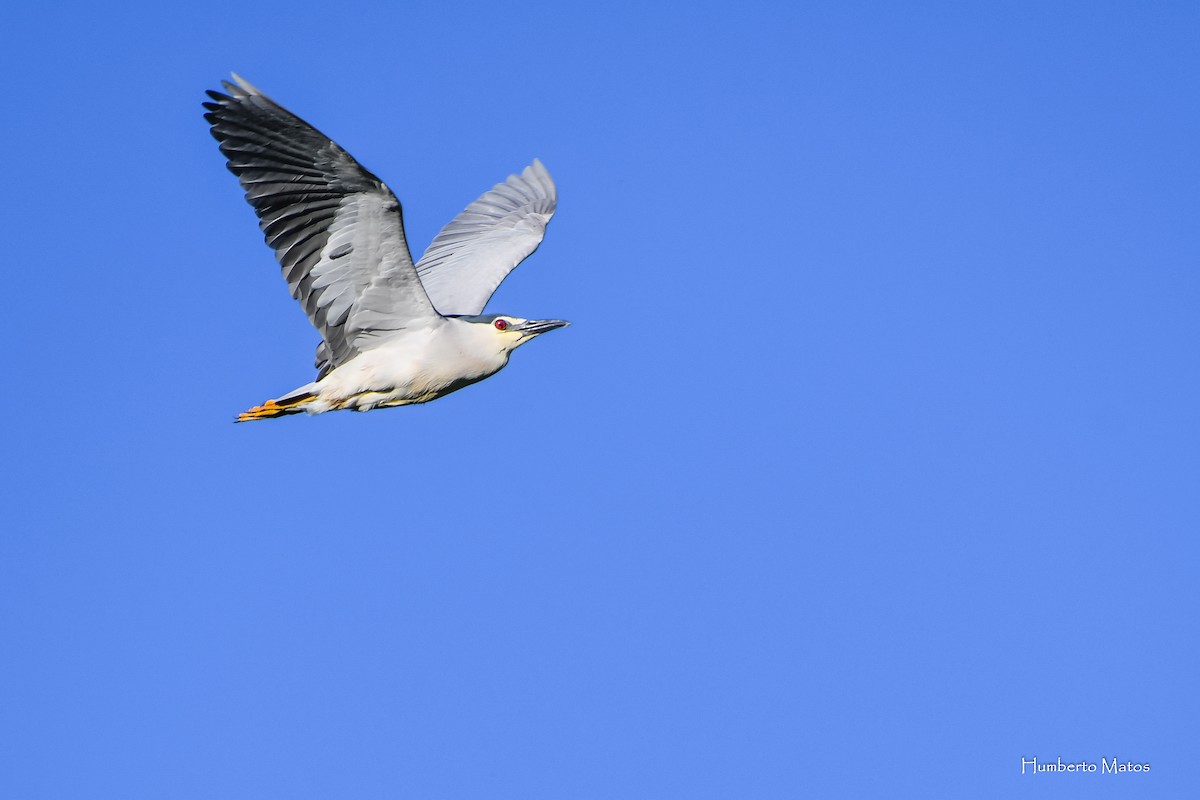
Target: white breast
{"x": 415, "y": 366}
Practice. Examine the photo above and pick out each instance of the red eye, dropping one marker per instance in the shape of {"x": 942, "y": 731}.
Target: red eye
{"x": 501, "y": 324}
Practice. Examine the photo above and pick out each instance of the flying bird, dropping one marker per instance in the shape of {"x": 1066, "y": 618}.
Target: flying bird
{"x": 392, "y": 332}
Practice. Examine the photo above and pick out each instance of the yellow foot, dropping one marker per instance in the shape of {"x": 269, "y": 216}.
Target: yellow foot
{"x": 271, "y": 408}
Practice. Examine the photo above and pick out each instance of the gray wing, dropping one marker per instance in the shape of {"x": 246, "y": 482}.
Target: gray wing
{"x": 473, "y": 254}
{"x": 336, "y": 229}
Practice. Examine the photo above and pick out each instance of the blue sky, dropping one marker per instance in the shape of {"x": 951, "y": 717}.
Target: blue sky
{"x": 868, "y": 467}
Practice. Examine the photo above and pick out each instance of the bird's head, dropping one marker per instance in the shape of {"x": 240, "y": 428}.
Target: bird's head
{"x": 512, "y": 332}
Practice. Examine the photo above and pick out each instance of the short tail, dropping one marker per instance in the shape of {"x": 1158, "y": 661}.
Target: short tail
{"x": 277, "y": 408}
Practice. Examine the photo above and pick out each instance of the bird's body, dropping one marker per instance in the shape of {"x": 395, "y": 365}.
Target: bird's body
{"x": 421, "y": 365}
{"x": 393, "y": 332}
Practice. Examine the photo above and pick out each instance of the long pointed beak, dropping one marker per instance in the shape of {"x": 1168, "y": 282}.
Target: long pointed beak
{"x": 536, "y": 327}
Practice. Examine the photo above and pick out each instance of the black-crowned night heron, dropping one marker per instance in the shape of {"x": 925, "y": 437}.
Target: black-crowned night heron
{"x": 393, "y": 333}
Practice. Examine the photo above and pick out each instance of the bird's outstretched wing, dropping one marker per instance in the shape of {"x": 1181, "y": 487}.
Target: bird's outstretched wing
{"x": 336, "y": 229}
{"x": 469, "y": 258}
